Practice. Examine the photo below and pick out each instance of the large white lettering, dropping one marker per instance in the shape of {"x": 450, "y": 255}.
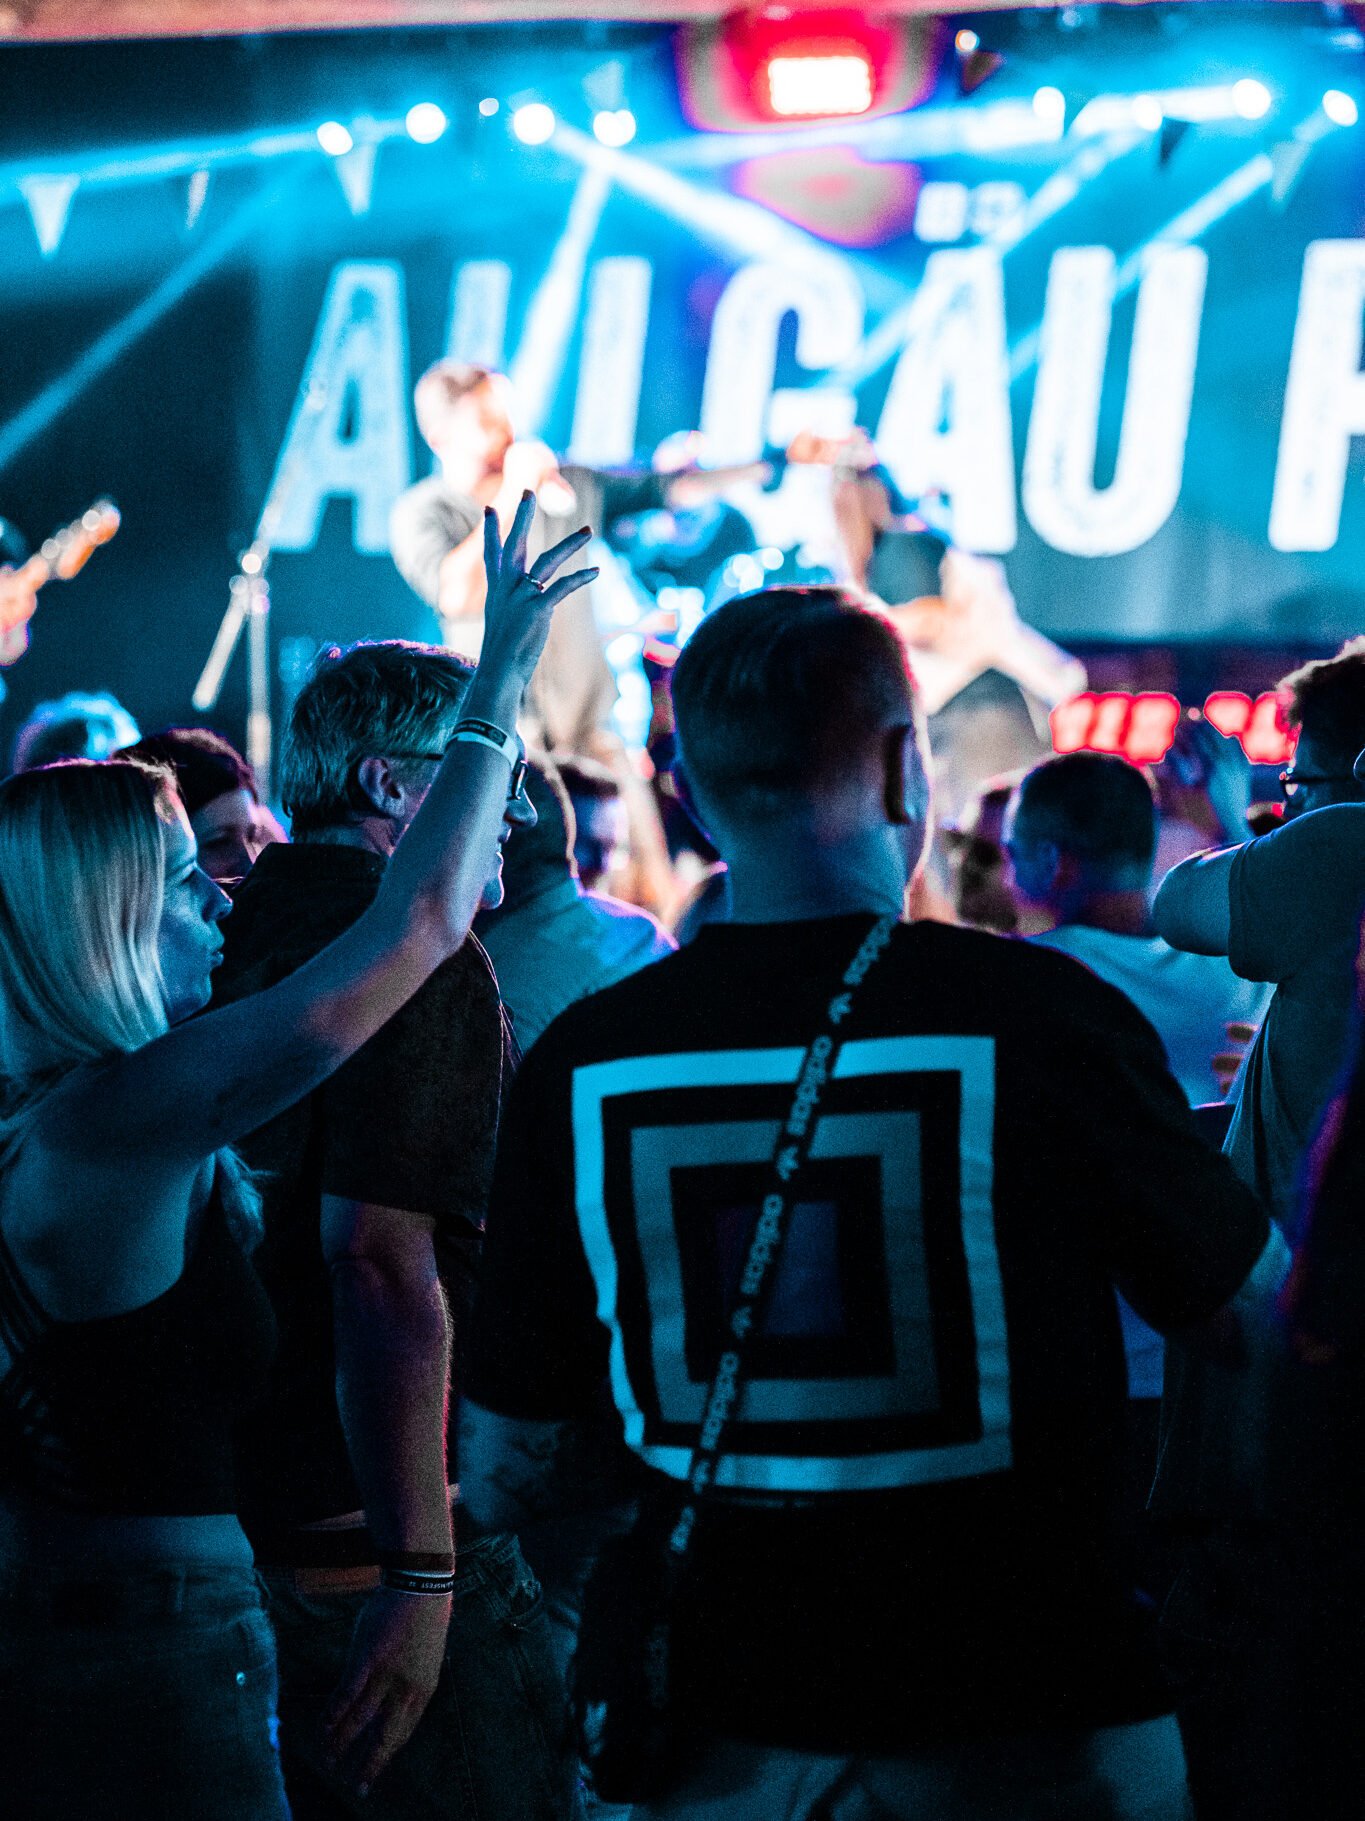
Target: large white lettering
{"x": 478, "y": 312}
{"x": 1060, "y": 497}
{"x": 945, "y": 427}
{"x": 1324, "y": 405}
{"x": 349, "y": 431}
{"x": 827, "y": 302}
{"x": 611, "y": 369}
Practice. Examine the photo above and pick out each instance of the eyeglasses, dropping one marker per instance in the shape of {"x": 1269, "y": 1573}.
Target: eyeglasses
{"x": 1292, "y": 780}
{"x": 516, "y": 788}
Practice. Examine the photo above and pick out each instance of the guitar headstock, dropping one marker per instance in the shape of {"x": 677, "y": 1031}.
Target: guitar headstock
{"x": 67, "y": 551}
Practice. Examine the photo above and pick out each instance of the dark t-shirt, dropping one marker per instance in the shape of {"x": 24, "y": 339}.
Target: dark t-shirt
{"x": 409, "y": 1122}
{"x": 915, "y": 1532}
{"x": 1295, "y": 900}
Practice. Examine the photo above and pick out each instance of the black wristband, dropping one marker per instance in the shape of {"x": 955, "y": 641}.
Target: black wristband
{"x": 430, "y": 1561}
{"x": 405, "y": 1580}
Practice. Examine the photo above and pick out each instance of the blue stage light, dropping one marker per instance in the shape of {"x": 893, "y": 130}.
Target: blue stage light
{"x": 1049, "y": 104}
{"x": 614, "y": 126}
{"x": 489, "y": 106}
{"x": 426, "y": 122}
{"x": 334, "y": 138}
{"x": 1340, "y": 108}
{"x": 534, "y": 123}
{"x": 1251, "y": 98}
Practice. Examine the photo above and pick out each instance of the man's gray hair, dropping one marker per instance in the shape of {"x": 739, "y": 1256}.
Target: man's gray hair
{"x": 386, "y": 698}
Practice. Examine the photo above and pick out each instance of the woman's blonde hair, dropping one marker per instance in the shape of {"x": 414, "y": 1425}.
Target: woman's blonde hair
{"x": 82, "y": 886}
{"x": 82, "y": 882}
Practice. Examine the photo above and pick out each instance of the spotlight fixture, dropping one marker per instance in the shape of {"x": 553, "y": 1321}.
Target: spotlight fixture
{"x": 335, "y": 139}
{"x": 489, "y": 106}
{"x": 820, "y": 85}
{"x": 1049, "y": 104}
{"x": 1147, "y": 113}
{"x": 426, "y": 122}
{"x": 1250, "y": 98}
{"x": 1340, "y": 108}
{"x": 534, "y": 123}
{"x": 966, "y": 42}
{"x": 613, "y": 126}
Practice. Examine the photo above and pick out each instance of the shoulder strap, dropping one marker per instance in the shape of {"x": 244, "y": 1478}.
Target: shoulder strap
{"x": 794, "y": 1138}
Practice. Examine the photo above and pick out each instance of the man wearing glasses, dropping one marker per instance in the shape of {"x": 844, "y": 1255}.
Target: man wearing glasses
{"x": 375, "y": 1189}
{"x": 1287, "y": 909}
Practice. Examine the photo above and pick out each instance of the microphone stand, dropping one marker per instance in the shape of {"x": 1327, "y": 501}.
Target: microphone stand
{"x": 249, "y": 608}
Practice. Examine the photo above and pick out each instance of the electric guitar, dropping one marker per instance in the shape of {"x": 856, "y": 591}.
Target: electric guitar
{"x": 63, "y": 555}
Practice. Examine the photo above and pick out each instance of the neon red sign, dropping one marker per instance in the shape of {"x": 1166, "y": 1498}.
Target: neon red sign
{"x": 1140, "y": 728}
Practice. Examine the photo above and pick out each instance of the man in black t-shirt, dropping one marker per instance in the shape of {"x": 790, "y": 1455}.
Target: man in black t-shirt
{"x": 375, "y": 1189}
{"x": 907, "y": 1580}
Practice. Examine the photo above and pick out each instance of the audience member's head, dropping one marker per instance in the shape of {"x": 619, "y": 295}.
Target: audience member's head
{"x": 74, "y": 726}
{"x": 218, "y": 790}
{"x": 107, "y": 930}
{"x": 798, "y": 728}
{"x": 1082, "y": 826}
{"x": 1325, "y": 703}
{"x": 464, "y": 413}
{"x": 599, "y": 816}
{"x": 977, "y": 862}
{"x": 365, "y": 738}
{"x": 541, "y": 853}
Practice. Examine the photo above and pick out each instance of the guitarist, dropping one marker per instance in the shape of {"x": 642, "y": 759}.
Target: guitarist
{"x": 18, "y": 595}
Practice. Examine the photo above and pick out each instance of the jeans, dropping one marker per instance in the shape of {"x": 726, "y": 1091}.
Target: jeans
{"x": 1119, "y": 1773}
{"x": 143, "y": 1696}
{"x": 495, "y": 1742}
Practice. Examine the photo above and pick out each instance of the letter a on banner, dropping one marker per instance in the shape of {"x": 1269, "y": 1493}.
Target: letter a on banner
{"x": 349, "y": 431}
{"x": 945, "y": 426}
{"x": 49, "y": 204}
{"x": 1324, "y": 404}
{"x": 1060, "y": 497}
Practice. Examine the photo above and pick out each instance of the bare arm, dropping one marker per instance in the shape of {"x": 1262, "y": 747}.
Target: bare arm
{"x": 209, "y": 1082}
{"x": 392, "y": 1341}
{"x": 1192, "y": 909}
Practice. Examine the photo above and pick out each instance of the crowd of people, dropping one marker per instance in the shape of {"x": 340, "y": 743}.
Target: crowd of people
{"x": 874, "y": 1336}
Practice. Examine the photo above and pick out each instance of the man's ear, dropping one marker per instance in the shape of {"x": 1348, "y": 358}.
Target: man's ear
{"x": 378, "y": 790}
{"x": 905, "y": 789}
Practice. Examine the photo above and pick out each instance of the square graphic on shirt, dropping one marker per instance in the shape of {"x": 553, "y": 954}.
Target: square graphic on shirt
{"x": 885, "y": 1359}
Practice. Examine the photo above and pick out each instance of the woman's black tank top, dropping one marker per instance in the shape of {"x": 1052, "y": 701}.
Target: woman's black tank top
{"x": 133, "y": 1414}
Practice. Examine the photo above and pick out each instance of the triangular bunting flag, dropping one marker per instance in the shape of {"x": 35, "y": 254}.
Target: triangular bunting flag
{"x": 1287, "y": 160}
{"x": 49, "y": 203}
{"x": 1172, "y": 132}
{"x": 194, "y": 200}
{"x": 976, "y": 69}
{"x": 355, "y": 171}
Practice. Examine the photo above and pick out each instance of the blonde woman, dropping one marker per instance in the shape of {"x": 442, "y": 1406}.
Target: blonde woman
{"x": 136, "y": 1668}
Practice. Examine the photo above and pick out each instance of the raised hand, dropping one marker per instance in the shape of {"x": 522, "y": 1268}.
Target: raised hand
{"x": 521, "y": 599}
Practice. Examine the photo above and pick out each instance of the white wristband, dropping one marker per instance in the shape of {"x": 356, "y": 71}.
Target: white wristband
{"x": 485, "y": 733}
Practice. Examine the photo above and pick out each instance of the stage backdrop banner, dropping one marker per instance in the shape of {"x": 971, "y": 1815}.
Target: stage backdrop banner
{"x": 1117, "y": 347}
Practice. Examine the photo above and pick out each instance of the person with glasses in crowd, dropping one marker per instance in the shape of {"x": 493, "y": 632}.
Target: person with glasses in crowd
{"x": 136, "y": 1666}
{"x": 415, "y": 1655}
{"x": 1265, "y": 1552}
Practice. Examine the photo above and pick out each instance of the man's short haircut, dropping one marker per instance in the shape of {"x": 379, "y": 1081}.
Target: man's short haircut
{"x": 205, "y": 765}
{"x": 385, "y": 698}
{"x": 1094, "y": 807}
{"x": 1326, "y": 701}
{"x": 443, "y": 386}
{"x": 776, "y": 692}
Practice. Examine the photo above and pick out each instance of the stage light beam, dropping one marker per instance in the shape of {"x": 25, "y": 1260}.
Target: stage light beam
{"x": 534, "y": 123}
{"x": 1340, "y": 108}
{"x": 335, "y": 139}
{"x": 613, "y": 126}
{"x": 426, "y": 122}
{"x": 1251, "y": 98}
